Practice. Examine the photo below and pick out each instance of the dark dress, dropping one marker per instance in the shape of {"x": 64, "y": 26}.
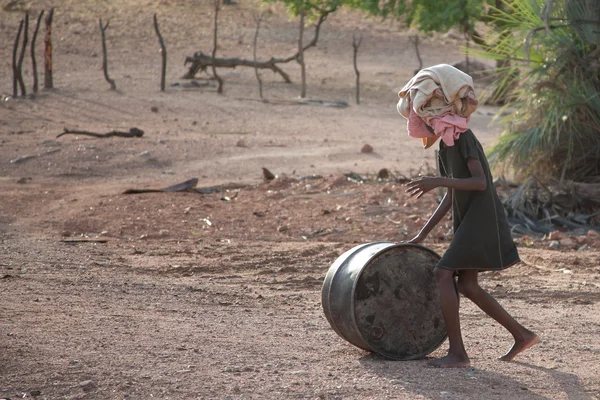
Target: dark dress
{"x": 482, "y": 239}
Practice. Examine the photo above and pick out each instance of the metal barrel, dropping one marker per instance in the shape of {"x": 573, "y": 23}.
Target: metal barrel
{"x": 382, "y": 297}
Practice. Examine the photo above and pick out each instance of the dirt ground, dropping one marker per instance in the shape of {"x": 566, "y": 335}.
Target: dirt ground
{"x": 105, "y": 295}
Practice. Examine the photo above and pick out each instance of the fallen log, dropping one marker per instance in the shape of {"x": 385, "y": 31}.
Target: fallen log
{"x": 187, "y": 186}
{"x": 200, "y": 61}
{"x": 133, "y": 132}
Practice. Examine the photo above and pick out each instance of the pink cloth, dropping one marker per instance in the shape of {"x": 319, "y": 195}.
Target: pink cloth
{"x": 448, "y": 127}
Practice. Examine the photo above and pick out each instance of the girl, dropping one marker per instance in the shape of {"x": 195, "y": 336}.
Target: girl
{"x": 482, "y": 239}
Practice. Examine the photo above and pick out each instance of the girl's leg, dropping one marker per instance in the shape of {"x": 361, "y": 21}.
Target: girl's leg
{"x": 457, "y": 356}
{"x": 469, "y": 287}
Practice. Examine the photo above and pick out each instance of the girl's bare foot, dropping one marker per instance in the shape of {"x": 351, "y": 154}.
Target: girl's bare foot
{"x": 528, "y": 340}
{"x": 451, "y": 361}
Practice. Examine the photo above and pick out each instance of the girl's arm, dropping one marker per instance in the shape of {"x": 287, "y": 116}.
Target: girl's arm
{"x": 437, "y": 216}
{"x": 418, "y": 187}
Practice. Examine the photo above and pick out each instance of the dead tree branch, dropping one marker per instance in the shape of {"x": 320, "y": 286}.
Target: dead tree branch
{"x": 163, "y": 53}
{"x": 48, "y": 82}
{"x": 22, "y": 55}
{"x": 214, "y": 52}
{"x": 355, "y": 45}
{"x": 33, "y": 60}
{"x": 133, "y": 132}
{"x": 258, "y": 20}
{"x": 199, "y": 61}
{"x": 15, "y": 65}
{"x": 104, "y": 56}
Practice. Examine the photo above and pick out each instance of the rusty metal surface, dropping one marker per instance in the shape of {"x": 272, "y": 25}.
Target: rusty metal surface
{"x": 382, "y": 297}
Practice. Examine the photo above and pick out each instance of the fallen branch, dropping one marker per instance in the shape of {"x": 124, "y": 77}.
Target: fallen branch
{"x": 200, "y": 61}
{"x": 133, "y": 132}
{"x": 186, "y": 186}
{"x": 84, "y": 240}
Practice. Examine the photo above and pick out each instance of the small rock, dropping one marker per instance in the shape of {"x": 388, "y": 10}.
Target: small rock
{"x": 154, "y": 109}
{"x": 383, "y": 173}
{"x": 268, "y": 175}
{"x": 241, "y": 143}
{"x": 283, "y": 228}
{"x": 554, "y": 244}
{"x": 367, "y": 148}
{"x": 87, "y": 386}
{"x": 554, "y": 235}
{"x": 593, "y": 234}
{"x": 35, "y": 393}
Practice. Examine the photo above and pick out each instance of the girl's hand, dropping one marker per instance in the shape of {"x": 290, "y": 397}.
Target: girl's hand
{"x": 418, "y": 187}
{"x": 417, "y": 239}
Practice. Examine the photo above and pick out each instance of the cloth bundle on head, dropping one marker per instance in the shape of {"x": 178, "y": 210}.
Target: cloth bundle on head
{"x": 438, "y": 102}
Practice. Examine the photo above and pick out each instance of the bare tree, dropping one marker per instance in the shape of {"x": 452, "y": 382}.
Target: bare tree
{"x": 258, "y": 20}
{"x": 15, "y": 65}
{"x": 301, "y": 55}
{"x": 48, "y": 81}
{"x": 22, "y": 55}
{"x": 214, "y": 52}
{"x": 104, "y": 55}
{"x": 355, "y": 45}
{"x": 33, "y": 60}
{"x": 200, "y": 61}
{"x": 163, "y": 52}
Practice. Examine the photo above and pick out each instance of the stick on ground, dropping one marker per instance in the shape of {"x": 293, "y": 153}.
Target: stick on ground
{"x": 133, "y": 132}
